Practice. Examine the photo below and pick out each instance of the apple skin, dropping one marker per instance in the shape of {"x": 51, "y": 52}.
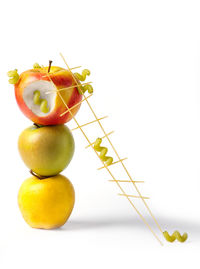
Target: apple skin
{"x": 46, "y": 150}
{"x": 46, "y": 203}
{"x": 61, "y": 78}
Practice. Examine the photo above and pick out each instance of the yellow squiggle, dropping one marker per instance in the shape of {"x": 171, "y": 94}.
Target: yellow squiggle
{"x": 174, "y": 236}
{"x": 82, "y": 77}
{"x": 88, "y": 88}
{"x": 103, "y": 151}
{"x": 36, "y": 65}
{"x": 14, "y": 76}
{"x": 41, "y": 102}
{"x": 83, "y": 89}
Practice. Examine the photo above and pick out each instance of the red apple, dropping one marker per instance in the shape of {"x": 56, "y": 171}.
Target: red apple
{"x": 37, "y": 97}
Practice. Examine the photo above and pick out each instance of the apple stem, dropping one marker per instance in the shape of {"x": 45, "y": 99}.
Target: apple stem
{"x": 36, "y": 175}
{"x": 50, "y": 62}
{"x": 36, "y": 125}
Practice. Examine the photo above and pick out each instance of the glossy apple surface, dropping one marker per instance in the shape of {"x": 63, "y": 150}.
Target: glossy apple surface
{"x": 37, "y": 79}
{"x": 46, "y": 150}
{"x": 46, "y": 203}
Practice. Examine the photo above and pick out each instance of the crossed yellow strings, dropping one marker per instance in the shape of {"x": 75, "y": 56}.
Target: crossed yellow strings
{"x": 106, "y": 167}
{"x": 109, "y": 160}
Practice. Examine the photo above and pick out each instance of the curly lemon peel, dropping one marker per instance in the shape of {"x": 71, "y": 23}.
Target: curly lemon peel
{"x": 174, "y": 236}
{"x": 103, "y": 151}
{"x": 14, "y": 76}
{"x": 41, "y": 102}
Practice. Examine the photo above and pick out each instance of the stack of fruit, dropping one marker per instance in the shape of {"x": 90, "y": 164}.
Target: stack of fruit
{"x": 46, "y": 199}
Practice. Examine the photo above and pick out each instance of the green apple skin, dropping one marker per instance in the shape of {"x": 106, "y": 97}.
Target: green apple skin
{"x": 46, "y": 150}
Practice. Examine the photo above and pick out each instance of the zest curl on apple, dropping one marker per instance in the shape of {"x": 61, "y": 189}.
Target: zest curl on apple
{"x": 37, "y": 97}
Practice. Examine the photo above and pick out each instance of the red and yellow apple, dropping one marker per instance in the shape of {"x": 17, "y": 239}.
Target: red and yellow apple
{"x": 46, "y": 150}
{"x": 37, "y": 81}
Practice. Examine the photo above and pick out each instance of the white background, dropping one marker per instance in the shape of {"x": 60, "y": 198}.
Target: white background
{"x": 144, "y": 58}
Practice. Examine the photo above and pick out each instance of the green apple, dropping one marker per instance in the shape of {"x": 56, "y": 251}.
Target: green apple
{"x": 46, "y": 150}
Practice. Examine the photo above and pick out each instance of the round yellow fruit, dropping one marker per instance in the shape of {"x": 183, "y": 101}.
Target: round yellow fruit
{"x": 46, "y": 203}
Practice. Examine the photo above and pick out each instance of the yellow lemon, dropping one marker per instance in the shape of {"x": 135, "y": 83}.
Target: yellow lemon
{"x": 46, "y": 203}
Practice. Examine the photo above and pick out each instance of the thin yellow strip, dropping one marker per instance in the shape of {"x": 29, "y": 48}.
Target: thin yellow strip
{"x": 101, "y": 138}
{"x": 74, "y": 106}
{"x": 138, "y": 212}
{"x": 150, "y": 212}
{"x": 60, "y": 70}
{"x": 134, "y": 196}
{"x": 75, "y": 67}
{"x": 89, "y": 123}
{"x": 127, "y": 181}
{"x": 113, "y": 163}
{"x": 68, "y": 88}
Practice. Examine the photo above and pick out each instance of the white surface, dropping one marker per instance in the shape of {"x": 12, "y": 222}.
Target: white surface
{"x": 43, "y": 87}
{"x": 144, "y": 58}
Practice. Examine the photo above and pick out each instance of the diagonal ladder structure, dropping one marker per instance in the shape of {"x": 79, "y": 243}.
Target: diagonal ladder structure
{"x": 119, "y": 160}
{"x": 106, "y": 136}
